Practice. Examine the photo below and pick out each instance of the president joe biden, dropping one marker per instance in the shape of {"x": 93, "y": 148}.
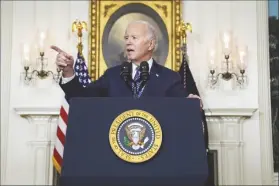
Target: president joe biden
{"x": 140, "y": 42}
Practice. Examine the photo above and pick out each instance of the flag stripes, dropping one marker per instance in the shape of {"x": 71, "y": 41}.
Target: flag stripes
{"x": 61, "y": 136}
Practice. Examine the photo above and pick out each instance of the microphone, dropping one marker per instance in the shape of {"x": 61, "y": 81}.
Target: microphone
{"x": 144, "y": 71}
{"x": 126, "y": 72}
{"x": 144, "y": 74}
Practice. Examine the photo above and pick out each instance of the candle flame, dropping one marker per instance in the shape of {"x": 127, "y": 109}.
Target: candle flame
{"x": 26, "y": 51}
{"x": 212, "y": 53}
{"x": 41, "y": 42}
{"x": 212, "y": 57}
{"x": 226, "y": 40}
{"x": 42, "y": 35}
{"x": 242, "y": 55}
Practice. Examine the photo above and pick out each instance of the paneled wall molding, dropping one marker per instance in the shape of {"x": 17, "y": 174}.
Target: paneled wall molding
{"x": 246, "y": 112}
{"x": 264, "y": 93}
{"x": 41, "y": 162}
{"x": 36, "y": 111}
{"x": 43, "y": 123}
{"x": 7, "y": 22}
{"x": 225, "y": 128}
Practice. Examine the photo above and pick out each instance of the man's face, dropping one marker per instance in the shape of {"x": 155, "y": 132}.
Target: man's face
{"x": 138, "y": 46}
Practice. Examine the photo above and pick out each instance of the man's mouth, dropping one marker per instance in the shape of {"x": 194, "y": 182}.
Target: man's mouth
{"x": 130, "y": 50}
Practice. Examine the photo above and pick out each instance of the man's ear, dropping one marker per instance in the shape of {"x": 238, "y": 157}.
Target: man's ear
{"x": 151, "y": 45}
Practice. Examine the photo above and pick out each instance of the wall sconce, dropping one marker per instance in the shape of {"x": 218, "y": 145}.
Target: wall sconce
{"x": 228, "y": 58}
{"x": 41, "y": 61}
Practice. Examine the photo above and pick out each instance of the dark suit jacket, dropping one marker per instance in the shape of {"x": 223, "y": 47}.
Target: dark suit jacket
{"x": 163, "y": 82}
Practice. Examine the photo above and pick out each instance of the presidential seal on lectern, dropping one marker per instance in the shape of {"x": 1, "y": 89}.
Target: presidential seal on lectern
{"x": 135, "y": 136}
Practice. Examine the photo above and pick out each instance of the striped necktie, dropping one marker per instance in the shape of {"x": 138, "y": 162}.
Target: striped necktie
{"x": 136, "y": 84}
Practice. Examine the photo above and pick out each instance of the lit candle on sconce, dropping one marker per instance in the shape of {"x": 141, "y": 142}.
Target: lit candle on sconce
{"x": 242, "y": 58}
{"x": 212, "y": 59}
{"x": 231, "y": 54}
{"x": 26, "y": 55}
{"x": 226, "y": 41}
{"x": 42, "y": 42}
{"x": 37, "y": 67}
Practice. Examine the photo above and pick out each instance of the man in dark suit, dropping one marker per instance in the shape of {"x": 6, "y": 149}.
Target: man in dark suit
{"x": 140, "y": 39}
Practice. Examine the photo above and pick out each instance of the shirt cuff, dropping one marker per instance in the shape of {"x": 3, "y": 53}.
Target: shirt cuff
{"x": 66, "y": 80}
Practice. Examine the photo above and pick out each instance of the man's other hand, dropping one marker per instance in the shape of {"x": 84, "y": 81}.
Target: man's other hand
{"x": 196, "y": 97}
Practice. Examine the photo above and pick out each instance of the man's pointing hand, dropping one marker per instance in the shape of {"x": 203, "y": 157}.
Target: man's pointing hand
{"x": 64, "y": 61}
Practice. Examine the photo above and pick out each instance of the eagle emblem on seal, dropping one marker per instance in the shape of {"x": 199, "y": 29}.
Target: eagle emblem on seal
{"x": 135, "y": 136}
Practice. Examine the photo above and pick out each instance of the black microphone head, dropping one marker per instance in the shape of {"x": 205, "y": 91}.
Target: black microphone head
{"x": 144, "y": 69}
{"x": 125, "y": 71}
{"x": 125, "y": 66}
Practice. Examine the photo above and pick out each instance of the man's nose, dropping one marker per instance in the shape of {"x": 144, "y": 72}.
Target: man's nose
{"x": 128, "y": 41}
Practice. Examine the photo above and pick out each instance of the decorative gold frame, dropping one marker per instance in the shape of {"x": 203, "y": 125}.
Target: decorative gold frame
{"x": 100, "y": 13}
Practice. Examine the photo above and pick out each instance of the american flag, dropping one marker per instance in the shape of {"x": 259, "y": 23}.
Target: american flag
{"x": 81, "y": 72}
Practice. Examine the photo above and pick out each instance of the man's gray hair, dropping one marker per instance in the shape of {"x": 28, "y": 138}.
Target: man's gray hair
{"x": 151, "y": 31}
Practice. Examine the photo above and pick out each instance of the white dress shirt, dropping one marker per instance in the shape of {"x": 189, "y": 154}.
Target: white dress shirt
{"x": 134, "y": 66}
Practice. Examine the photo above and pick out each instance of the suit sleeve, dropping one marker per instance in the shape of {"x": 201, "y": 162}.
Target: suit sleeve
{"x": 176, "y": 89}
{"x": 74, "y": 88}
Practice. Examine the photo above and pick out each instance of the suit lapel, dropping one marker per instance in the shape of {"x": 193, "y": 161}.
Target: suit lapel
{"x": 150, "y": 87}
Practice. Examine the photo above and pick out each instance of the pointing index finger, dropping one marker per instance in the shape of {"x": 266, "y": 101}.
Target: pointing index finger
{"x": 57, "y": 49}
